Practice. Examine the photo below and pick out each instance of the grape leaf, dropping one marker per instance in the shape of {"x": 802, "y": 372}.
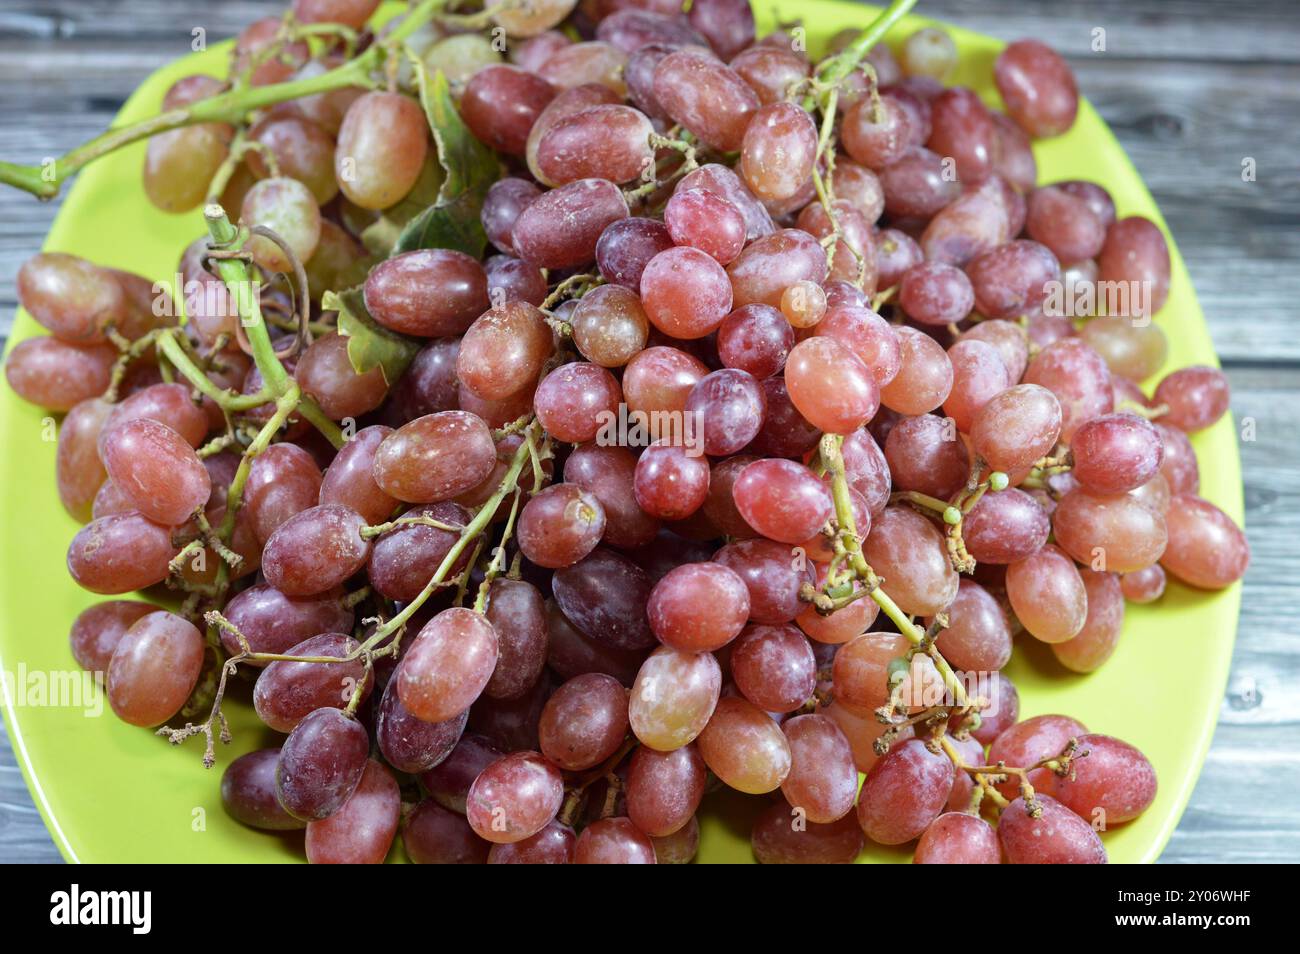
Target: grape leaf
{"x": 380, "y": 236}
{"x": 471, "y": 168}
{"x": 370, "y": 344}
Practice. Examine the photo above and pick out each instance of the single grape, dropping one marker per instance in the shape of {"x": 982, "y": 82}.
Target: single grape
{"x": 698, "y": 607}
{"x": 706, "y": 97}
{"x": 248, "y": 792}
{"x": 605, "y": 597}
{"x": 560, "y": 229}
{"x": 1206, "y": 548}
{"x": 781, "y": 837}
{"x": 584, "y": 722}
{"x": 286, "y": 691}
{"x": 272, "y": 622}
{"x": 744, "y": 747}
{"x": 1026, "y": 743}
{"x": 674, "y": 696}
{"x": 685, "y": 292}
{"x": 1057, "y": 836}
{"x": 904, "y": 793}
{"x": 432, "y": 835}
{"x": 514, "y": 798}
{"x": 154, "y": 668}
{"x": 321, "y": 764}
{"x": 120, "y": 553}
{"x": 315, "y": 550}
{"x": 362, "y": 831}
{"x": 1117, "y": 533}
{"x": 671, "y": 482}
{"x": 909, "y": 552}
{"x": 663, "y": 789}
{"x": 435, "y": 457}
{"x": 823, "y": 780}
{"x": 54, "y": 374}
{"x": 553, "y": 845}
{"x": 956, "y": 838}
{"x": 924, "y": 377}
{"x": 1038, "y": 87}
{"x": 782, "y": 500}
{"x": 448, "y": 665}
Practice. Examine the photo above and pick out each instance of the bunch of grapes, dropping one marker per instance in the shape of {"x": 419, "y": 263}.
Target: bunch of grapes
{"x": 480, "y": 615}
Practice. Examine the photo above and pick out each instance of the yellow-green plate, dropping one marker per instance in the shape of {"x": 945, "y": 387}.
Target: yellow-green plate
{"x": 110, "y": 792}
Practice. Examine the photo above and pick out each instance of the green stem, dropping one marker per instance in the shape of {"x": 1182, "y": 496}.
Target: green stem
{"x": 176, "y": 354}
{"x": 472, "y": 530}
{"x": 832, "y": 70}
{"x": 232, "y": 107}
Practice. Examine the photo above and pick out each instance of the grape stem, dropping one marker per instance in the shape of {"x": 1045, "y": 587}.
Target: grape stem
{"x": 833, "y": 459}
{"x": 45, "y": 181}
{"x": 836, "y": 68}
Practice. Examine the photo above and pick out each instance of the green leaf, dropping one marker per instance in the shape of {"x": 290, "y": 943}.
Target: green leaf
{"x": 381, "y": 235}
{"x": 370, "y": 344}
{"x": 471, "y": 168}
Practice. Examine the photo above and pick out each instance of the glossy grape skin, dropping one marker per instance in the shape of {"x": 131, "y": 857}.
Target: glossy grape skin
{"x": 823, "y": 780}
{"x": 501, "y": 103}
{"x": 729, "y": 406}
{"x": 1016, "y": 428}
{"x": 1057, "y": 837}
{"x": 362, "y": 831}
{"x": 287, "y": 207}
{"x": 868, "y": 336}
{"x": 448, "y": 665}
{"x": 501, "y": 207}
{"x": 120, "y": 553}
{"x": 744, "y": 747}
{"x": 248, "y": 792}
{"x": 250, "y": 56}
{"x": 584, "y": 722}
{"x": 673, "y": 698}
{"x": 1114, "y": 784}
{"x": 782, "y": 500}
{"x": 1048, "y": 595}
{"x": 429, "y": 292}
{"x": 504, "y": 350}
{"x": 755, "y": 339}
{"x": 610, "y": 325}
{"x": 1038, "y": 88}
{"x": 772, "y": 575}
{"x": 605, "y": 596}
{"x": 553, "y": 845}
{"x": 698, "y": 607}
{"x": 1135, "y": 251}
{"x": 1119, "y": 530}
{"x": 630, "y": 28}
{"x": 606, "y": 141}
{"x": 896, "y": 252}
{"x": 282, "y": 480}
{"x": 978, "y": 635}
{"x": 513, "y": 279}
{"x": 1129, "y": 348}
{"x": 79, "y": 473}
{"x": 936, "y": 294}
{"x": 560, "y": 229}
{"x": 962, "y": 128}
{"x": 99, "y": 628}
{"x": 1031, "y": 741}
{"x": 435, "y": 457}
{"x": 909, "y": 552}
{"x": 1206, "y": 548}
{"x": 721, "y": 180}
{"x": 1004, "y": 711}
{"x": 568, "y": 102}
{"x": 803, "y": 304}
{"x": 613, "y": 841}
{"x": 671, "y": 482}
{"x": 514, "y": 798}
{"x": 770, "y": 71}
{"x": 778, "y": 151}
{"x": 1179, "y": 467}
{"x": 777, "y": 839}
{"x": 904, "y": 793}
{"x": 1096, "y": 641}
{"x": 706, "y": 221}
{"x": 771, "y": 264}
{"x": 571, "y": 653}
{"x": 154, "y": 668}
{"x": 404, "y": 559}
{"x": 433, "y": 835}
{"x": 685, "y": 292}
{"x": 1116, "y": 453}
{"x": 315, "y": 550}
{"x": 664, "y": 789}
{"x": 169, "y": 404}
{"x": 830, "y": 386}
{"x": 706, "y": 97}
{"x": 57, "y": 375}
{"x": 877, "y": 139}
{"x": 1144, "y": 586}
{"x": 785, "y": 432}
{"x": 576, "y": 400}
{"x": 517, "y": 612}
{"x": 325, "y": 372}
{"x": 1196, "y": 396}
{"x": 273, "y": 622}
{"x": 1065, "y": 223}
{"x": 861, "y": 188}
{"x": 925, "y": 454}
{"x": 349, "y": 479}
{"x": 917, "y": 184}
{"x": 587, "y": 62}
{"x": 1005, "y": 526}
{"x": 956, "y": 838}
{"x": 321, "y": 764}
{"x": 71, "y": 297}
{"x": 977, "y": 221}
{"x": 1078, "y": 377}
{"x": 1012, "y": 279}
{"x": 924, "y": 378}
{"x": 624, "y": 249}
{"x": 607, "y": 473}
{"x": 180, "y": 163}
{"x": 979, "y": 374}
{"x": 448, "y": 782}
{"x": 286, "y": 691}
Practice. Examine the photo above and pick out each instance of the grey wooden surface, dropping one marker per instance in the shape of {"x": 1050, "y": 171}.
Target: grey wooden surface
{"x": 1191, "y": 87}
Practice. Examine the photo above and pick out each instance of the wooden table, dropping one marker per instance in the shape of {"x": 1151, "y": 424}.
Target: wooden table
{"x": 1191, "y": 87}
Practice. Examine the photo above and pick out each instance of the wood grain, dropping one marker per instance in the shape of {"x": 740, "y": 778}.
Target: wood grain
{"x": 1191, "y": 87}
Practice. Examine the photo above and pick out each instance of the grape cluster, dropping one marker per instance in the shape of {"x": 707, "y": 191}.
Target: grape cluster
{"x": 478, "y": 618}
